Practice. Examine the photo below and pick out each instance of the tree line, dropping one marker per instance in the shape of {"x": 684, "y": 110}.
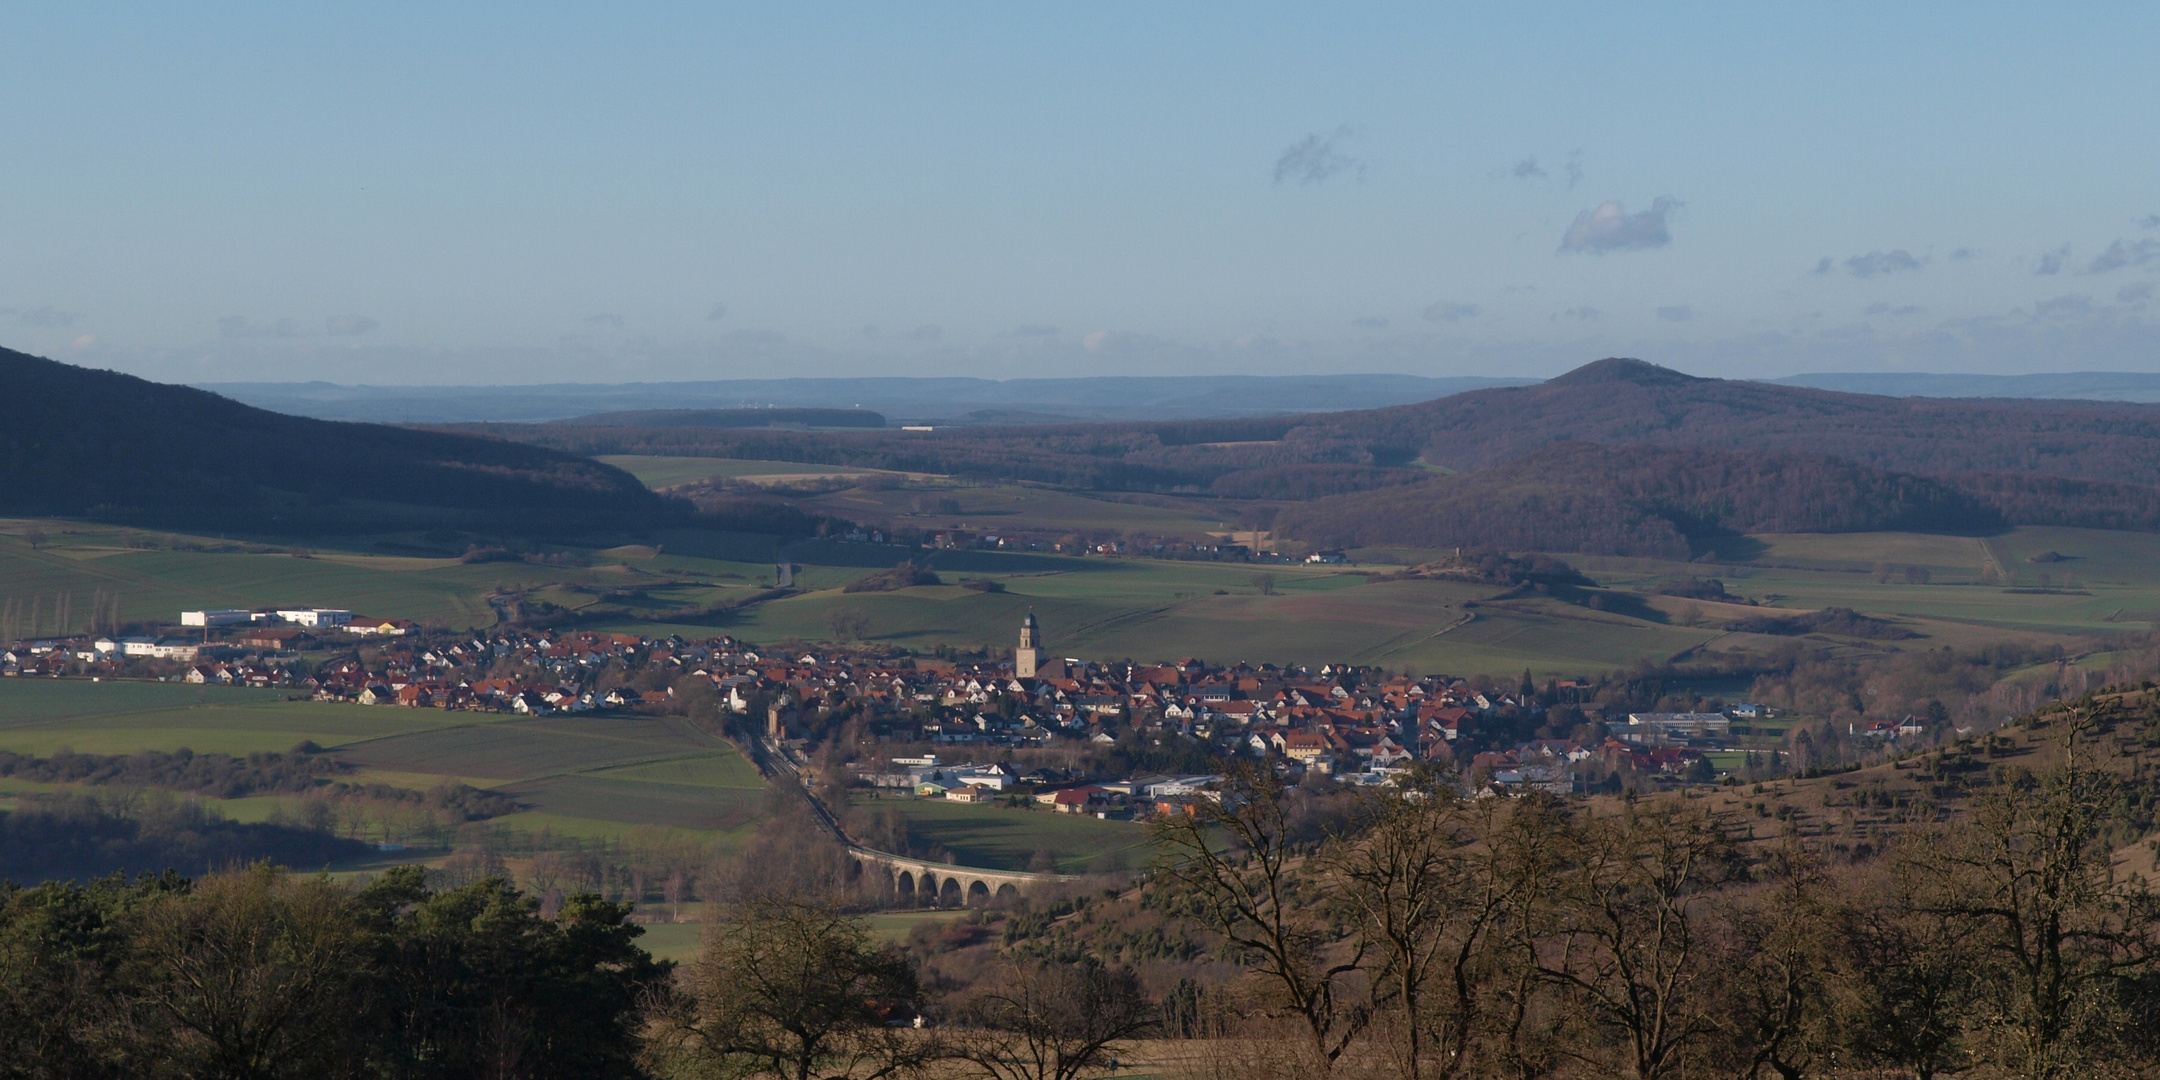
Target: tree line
{"x": 1411, "y": 933}
{"x": 1438, "y": 937}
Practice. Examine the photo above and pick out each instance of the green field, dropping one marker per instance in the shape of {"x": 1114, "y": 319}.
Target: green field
{"x": 1003, "y": 838}
{"x": 39, "y": 716}
{"x": 989, "y": 508}
{"x": 579, "y": 776}
{"x": 666, "y": 472}
{"x": 85, "y": 563}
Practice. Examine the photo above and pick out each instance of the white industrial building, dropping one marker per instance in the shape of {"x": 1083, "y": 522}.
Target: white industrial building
{"x": 315, "y": 616}
{"x": 221, "y": 617}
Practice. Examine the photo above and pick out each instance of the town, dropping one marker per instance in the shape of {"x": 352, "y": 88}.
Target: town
{"x": 1110, "y": 739}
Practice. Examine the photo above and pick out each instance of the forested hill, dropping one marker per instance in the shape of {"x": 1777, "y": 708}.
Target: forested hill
{"x": 1629, "y": 401}
{"x": 1611, "y": 401}
{"x": 81, "y": 442}
{"x": 1641, "y": 500}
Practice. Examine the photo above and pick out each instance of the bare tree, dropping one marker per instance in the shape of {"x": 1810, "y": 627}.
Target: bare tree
{"x": 848, "y": 624}
{"x": 1629, "y": 948}
{"x": 793, "y": 989}
{"x": 1905, "y": 978}
{"x": 1238, "y": 857}
{"x": 1772, "y": 954}
{"x": 252, "y": 975}
{"x": 1053, "y": 1021}
{"x": 2059, "y": 928}
{"x": 1427, "y": 898}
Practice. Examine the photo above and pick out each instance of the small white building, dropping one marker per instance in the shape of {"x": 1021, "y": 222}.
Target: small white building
{"x": 219, "y": 617}
{"x": 315, "y": 616}
{"x": 152, "y": 649}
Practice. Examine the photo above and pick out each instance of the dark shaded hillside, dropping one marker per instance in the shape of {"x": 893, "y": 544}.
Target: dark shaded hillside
{"x": 1645, "y": 501}
{"x": 1629, "y": 401}
{"x": 80, "y": 442}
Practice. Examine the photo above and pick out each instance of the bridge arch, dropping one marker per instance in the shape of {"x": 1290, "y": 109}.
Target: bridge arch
{"x": 917, "y": 882}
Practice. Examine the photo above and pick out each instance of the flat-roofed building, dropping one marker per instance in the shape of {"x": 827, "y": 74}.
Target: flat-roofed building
{"x": 315, "y": 616}
{"x": 220, "y": 617}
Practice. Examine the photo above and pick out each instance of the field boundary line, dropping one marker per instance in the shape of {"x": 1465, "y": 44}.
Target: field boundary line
{"x": 1398, "y": 644}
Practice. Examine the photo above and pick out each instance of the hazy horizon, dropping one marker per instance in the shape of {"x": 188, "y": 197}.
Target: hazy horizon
{"x": 409, "y": 195}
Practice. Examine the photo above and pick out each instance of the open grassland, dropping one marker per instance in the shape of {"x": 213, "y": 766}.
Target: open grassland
{"x": 1961, "y": 558}
{"x": 578, "y": 776}
{"x": 621, "y": 771}
{"x": 660, "y": 473}
{"x": 85, "y": 564}
{"x": 1973, "y": 591}
{"x": 999, "y": 837}
{"x": 679, "y": 942}
{"x": 989, "y": 509}
{"x": 524, "y": 749}
{"x": 1146, "y": 610}
{"x": 2091, "y": 557}
{"x": 40, "y": 716}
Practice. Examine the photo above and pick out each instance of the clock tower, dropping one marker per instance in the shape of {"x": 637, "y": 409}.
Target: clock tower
{"x": 1028, "y": 657}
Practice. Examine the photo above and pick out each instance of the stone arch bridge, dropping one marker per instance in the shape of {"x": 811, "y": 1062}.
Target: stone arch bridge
{"x": 920, "y": 882}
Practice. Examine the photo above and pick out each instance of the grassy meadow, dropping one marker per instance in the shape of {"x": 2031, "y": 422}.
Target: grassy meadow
{"x": 579, "y": 776}
{"x": 661, "y": 473}
{"x": 1959, "y": 591}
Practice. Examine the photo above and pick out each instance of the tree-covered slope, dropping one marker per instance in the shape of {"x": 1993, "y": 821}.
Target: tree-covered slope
{"x": 81, "y": 442}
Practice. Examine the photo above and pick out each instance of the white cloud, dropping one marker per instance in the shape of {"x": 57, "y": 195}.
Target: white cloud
{"x": 1443, "y": 311}
{"x": 50, "y": 317}
{"x": 1316, "y": 158}
{"x": 1676, "y": 313}
{"x": 1876, "y": 262}
{"x": 2063, "y": 307}
{"x": 1611, "y": 228}
{"x": 240, "y": 326}
{"x": 2122, "y": 254}
{"x": 349, "y": 325}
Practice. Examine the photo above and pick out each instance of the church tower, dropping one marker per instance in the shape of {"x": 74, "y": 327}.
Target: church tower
{"x": 1028, "y": 657}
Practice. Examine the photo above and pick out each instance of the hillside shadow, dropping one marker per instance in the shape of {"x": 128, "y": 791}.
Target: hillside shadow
{"x": 1725, "y": 547}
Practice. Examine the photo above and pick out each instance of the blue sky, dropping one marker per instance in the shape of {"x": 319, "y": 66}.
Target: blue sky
{"x": 523, "y": 193}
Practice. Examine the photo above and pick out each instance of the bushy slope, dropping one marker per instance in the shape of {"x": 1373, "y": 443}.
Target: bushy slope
{"x": 76, "y": 441}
